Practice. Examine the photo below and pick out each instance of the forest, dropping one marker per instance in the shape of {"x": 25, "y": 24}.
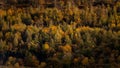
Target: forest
{"x": 71, "y": 34}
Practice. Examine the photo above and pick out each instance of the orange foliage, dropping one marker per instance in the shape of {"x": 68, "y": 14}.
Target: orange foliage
{"x": 19, "y": 27}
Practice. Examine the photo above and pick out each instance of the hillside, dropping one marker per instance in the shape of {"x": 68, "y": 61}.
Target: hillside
{"x": 70, "y": 34}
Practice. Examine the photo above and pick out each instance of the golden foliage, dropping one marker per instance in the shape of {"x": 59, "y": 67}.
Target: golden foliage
{"x": 46, "y": 46}
{"x": 18, "y": 35}
{"x": 70, "y": 12}
{"x": 70, "y": 29}
{"x": 118, "y": 26}
{"x": 76, "y": 60}
{"x": 53, "y": 29}
{"x": 67, "y": 48}
{"x": 32, "y": 29}
{"x": 18, "y": 27}
{"x": 113, "y": 25}
{"x": 85, "y": 61}
{"x": 2, "y": 13}
{"x": 16, "y": 65}
{"x": 5, "y": 26}
{"x": 42, "y": 65}
{"x": 45, "y": 30}
{"x": 10, "y": 11}
{"x": 8, "y": 35}
{"x": 11, "y": 59}
{"x": 35, "y": 61}
{"x": 84, "y": 28}
{"x": 1, "y": 34}
{"x": 58, "y": 37}
{"x": 15, "y": 41}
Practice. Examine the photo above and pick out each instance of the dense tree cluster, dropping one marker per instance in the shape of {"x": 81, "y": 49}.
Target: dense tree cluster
{"x": 69, "y": 37}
